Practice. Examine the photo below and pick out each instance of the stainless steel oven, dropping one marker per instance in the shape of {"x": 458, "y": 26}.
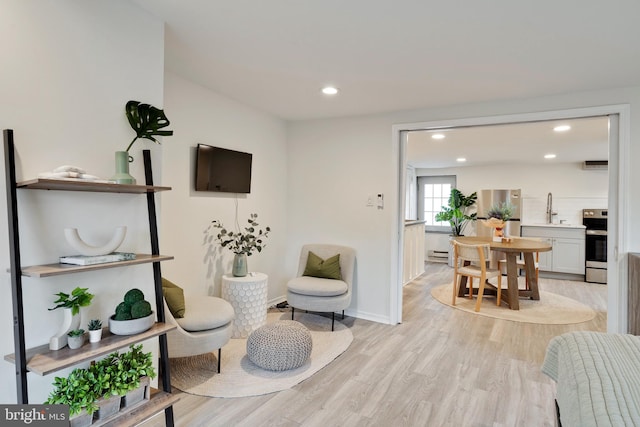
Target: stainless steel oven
{"x": 595, "y": 222}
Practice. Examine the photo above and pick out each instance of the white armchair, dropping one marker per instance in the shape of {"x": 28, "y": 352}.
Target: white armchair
{"x": 318, "y": 293}
{"x": 205, "y": 327}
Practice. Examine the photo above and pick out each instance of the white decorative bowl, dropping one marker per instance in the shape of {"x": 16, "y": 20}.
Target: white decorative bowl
{"x": 131, "y": 327}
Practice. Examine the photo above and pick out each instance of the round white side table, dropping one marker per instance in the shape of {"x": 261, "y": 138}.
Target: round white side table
{"x": 248, "y": 297}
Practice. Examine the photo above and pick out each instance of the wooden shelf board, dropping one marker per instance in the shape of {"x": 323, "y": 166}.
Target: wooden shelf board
{"x": 42, "y": 361}
{"x": 100, "y": 187}
{"x": 47, "y": 270}
{"x": 159, "y": 401}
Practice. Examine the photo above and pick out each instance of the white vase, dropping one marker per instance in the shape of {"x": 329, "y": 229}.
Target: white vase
{"x": 69, "y": 323}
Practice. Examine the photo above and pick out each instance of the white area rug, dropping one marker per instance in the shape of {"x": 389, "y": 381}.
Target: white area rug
{"x": 239, "y": 377}
{"x": 551, "y": 309}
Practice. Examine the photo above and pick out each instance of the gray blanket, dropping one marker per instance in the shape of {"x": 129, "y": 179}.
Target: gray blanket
{"x": 598, "y": 378}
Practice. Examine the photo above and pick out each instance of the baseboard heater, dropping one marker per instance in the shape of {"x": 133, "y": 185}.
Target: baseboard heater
{"x": 438, "y": 256}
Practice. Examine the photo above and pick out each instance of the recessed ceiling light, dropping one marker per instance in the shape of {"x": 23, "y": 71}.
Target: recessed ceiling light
{"x": 549, "y": 156}
{"x": 562, "y": 128}
{"x": 437, "y": 136}
{"x": 329, "y": 90}
{"x": 461, "y": 159}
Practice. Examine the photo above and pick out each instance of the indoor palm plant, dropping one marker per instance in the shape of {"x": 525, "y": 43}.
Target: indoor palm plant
{"x": 457, "y": 211}
{"x": 241, "y": 243}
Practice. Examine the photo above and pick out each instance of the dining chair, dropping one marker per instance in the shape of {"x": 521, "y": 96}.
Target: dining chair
{"x": 471, "y": 261}
{"x": 502, "y": 264}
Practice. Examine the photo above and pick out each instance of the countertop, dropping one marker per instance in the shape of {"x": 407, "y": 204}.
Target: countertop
{"x": 554, "y": 225}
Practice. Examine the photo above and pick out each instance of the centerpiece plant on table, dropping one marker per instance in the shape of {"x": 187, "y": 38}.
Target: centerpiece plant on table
{"x": 497, "y": 216}
{"x": 241, "y": 243}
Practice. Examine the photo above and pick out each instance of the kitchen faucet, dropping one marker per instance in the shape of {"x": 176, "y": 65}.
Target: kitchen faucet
{"x": 550, "y": 212}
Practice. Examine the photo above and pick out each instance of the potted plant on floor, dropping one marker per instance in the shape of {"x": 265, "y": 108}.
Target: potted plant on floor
{"x": 71, "y": 304}
{"x": 457, "y": 214}
{"x": 241, "y": 243}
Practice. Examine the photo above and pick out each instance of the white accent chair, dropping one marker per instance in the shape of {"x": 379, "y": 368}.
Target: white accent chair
{"x": 320, "y": 294}
{"x": 205, "y": 327}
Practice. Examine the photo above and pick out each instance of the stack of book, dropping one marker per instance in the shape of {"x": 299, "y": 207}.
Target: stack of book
{"x": 99, "y": 259}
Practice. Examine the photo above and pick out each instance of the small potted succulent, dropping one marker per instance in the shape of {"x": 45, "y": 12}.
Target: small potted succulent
{"x": 75, "y": 338}
{"x": 95, "y": 330}
{"x": 133, "y": 315}
{"x": 242, "y": 244}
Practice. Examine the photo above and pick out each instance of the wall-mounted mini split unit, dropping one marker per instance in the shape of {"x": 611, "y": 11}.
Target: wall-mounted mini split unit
{"x": 595, "y": 164}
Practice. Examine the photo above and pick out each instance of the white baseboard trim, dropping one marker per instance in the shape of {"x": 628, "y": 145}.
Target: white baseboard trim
{"x": 276, "y": 300}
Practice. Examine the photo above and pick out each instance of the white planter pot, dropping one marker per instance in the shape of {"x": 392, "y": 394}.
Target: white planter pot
{"x": 95, "y": 336}
{"x": 131, "y": 327}
{"x": 75, "y": 342}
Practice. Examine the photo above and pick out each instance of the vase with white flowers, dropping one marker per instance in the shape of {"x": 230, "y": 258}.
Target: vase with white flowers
{"x": 241, "y": 243}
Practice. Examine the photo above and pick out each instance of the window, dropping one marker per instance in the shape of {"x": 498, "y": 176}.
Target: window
{"x": 433, "y": 194}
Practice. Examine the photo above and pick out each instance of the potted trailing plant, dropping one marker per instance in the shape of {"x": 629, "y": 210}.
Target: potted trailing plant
{"x": 241, "y": 243}
{"x": 75, "y": 338}
{"x": 71, "y": 304}
{"x": 95, "y": 330}
{"x": 76, "y": 391}
{"x": 147, "y": 122}
{"x": 457, "y": 211}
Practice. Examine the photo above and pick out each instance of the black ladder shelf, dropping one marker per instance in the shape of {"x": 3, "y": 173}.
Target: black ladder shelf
{"x": 163, "y": 400}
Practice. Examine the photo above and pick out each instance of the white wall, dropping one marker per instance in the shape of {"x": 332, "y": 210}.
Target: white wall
{"x": 201, "y": 116}
{"x": 344, "y": 159}
{"x": 335, "y": 166}
{"x": 573, "y": 189}
{"x": 68, "y": 69}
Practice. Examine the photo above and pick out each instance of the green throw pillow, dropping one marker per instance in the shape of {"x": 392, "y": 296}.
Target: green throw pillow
{"x": 326, "y": 269}
{"x": 174, "y": 296}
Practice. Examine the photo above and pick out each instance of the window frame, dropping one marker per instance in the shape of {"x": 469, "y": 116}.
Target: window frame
{"x": 433, "y": 179}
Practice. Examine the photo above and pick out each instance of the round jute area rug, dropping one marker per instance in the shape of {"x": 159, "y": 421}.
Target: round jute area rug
{"x": 551, "y": 309}
{"x": 239, "y": 377}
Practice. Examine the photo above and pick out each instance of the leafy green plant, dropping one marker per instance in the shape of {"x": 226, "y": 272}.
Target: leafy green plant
{"x": 133, "y": 306}
{"x": 79, "y": 298}
{"x": 146, "y": 120}
{"x": 503, "y": 211}
{"x": 252, "y": 239}
{"x": 76, "y": 391}
{"x": 456, "y": 213}
{"x": 76, "y": 333}
{"x": 94, "y": 325}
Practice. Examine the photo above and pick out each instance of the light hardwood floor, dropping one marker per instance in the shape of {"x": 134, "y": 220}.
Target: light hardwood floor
{"x": 440, "y": 367}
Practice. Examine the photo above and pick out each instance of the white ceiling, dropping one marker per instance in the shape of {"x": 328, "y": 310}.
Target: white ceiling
{"x": 389, "y": 55}
{"x": 520, "y": 143}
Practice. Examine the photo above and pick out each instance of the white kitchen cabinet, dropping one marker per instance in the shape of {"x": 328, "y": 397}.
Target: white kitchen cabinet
{"x": 568, "y": 247}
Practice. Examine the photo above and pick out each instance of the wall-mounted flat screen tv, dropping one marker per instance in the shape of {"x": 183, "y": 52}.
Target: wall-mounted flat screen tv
{"x": 223, "y": 170}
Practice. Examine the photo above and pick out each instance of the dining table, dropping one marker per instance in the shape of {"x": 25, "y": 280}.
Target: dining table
{"x": 512, "y": 248}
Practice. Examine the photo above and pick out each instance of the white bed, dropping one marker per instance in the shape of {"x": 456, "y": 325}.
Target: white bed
{"x": 598, "y": 378}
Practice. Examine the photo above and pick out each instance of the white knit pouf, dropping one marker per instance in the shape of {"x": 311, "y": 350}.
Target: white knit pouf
{"x": 279, "y": 346}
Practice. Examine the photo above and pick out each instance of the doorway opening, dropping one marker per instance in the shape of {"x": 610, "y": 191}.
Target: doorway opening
{"x": 618, "y": 144}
